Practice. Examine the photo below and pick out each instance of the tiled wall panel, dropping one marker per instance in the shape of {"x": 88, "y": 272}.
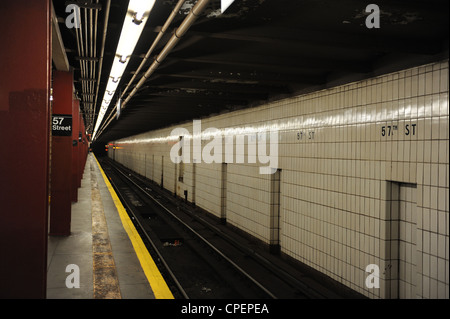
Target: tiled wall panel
{"x": 341, "y": 152}
{"x": 208, "y": 187}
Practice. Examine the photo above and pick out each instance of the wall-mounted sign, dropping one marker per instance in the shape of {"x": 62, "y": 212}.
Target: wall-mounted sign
{"x": 61, "y": 125}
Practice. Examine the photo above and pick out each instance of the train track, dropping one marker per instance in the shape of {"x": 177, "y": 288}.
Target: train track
{"x": 196, "y": 256}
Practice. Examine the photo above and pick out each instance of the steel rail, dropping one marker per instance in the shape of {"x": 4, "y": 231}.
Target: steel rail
{"x": 160, "y": 256}
{"x": 237, "y": 267}
{"x": 283, "y": 275}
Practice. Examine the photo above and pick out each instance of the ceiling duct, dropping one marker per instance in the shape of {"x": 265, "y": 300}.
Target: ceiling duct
{"x": 195, "y": 12}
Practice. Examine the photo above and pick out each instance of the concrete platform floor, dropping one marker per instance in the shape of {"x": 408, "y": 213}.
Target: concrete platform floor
{"x": 77, "y": 249}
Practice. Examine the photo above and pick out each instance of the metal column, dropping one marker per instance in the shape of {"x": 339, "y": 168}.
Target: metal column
{"x": 25, "y": 64}
{"x": 75, "y": 154}
{"x": 61, "y": 172}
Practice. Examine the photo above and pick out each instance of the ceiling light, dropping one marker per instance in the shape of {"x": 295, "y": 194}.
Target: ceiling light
{"x": 138, "y": 17}
{"x": 137, "y": 14}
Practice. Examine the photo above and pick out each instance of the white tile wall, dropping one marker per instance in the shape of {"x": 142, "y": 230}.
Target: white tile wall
{"x": 357, "y": 140}
{"x": 208, "y": 187}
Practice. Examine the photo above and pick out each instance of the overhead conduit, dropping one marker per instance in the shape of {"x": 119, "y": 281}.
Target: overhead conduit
{"x": 86, "y": 40}
{"x": 146, "y": 57}
{"x": 105, "y": 31}
{"x": 155, "y": 43}
{"x": 195, "y": 12}
{"x": 84, "y": 54}
{"x": 178, "y": 34}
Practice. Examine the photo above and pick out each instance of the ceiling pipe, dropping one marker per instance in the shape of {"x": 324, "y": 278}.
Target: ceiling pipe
{"x": 146, "y": 57}
{"x": 195, "y": 12}
{"x": 155, "y": 43}
{"x": 86, "y": 36}
{"x": 179, "y": 33}
{"x": 93, "y": 31}
{"x": 80, "y": 46}
{"x": 105, "y": 31}
{"x": 85, "y": 53}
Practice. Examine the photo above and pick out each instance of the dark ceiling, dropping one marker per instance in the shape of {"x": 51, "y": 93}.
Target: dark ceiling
{"x": 258, "y": 50}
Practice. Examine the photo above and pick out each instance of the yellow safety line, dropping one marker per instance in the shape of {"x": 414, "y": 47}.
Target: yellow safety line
{"x": 154, "y": 277}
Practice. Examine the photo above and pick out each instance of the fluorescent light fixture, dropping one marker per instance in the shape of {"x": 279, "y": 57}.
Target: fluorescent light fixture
{"x": 224, "y": 4}
{"x": 137, "y": 15}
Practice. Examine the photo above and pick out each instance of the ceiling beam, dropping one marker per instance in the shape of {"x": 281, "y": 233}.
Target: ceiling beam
{"x": 183, "y": 102}
{"x": 201, "y": 94}
{"x": 245, "y": 76}
{"x": 59, "y": 55}
{"x": 222, "y": 87}
{"x": 280, "y": 64}
{"x": 298, "y": 39}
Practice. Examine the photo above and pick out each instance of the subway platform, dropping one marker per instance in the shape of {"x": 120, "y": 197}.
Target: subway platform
{"x": 103, "y": 258}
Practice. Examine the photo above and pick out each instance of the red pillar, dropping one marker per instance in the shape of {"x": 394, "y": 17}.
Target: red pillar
{"x": 80, "y": 149}
{"x": 75, "y": 124}
{"x": 83, "y": 150}
{"x": 61, "y": 172}
{"x": 25, "y": 64}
